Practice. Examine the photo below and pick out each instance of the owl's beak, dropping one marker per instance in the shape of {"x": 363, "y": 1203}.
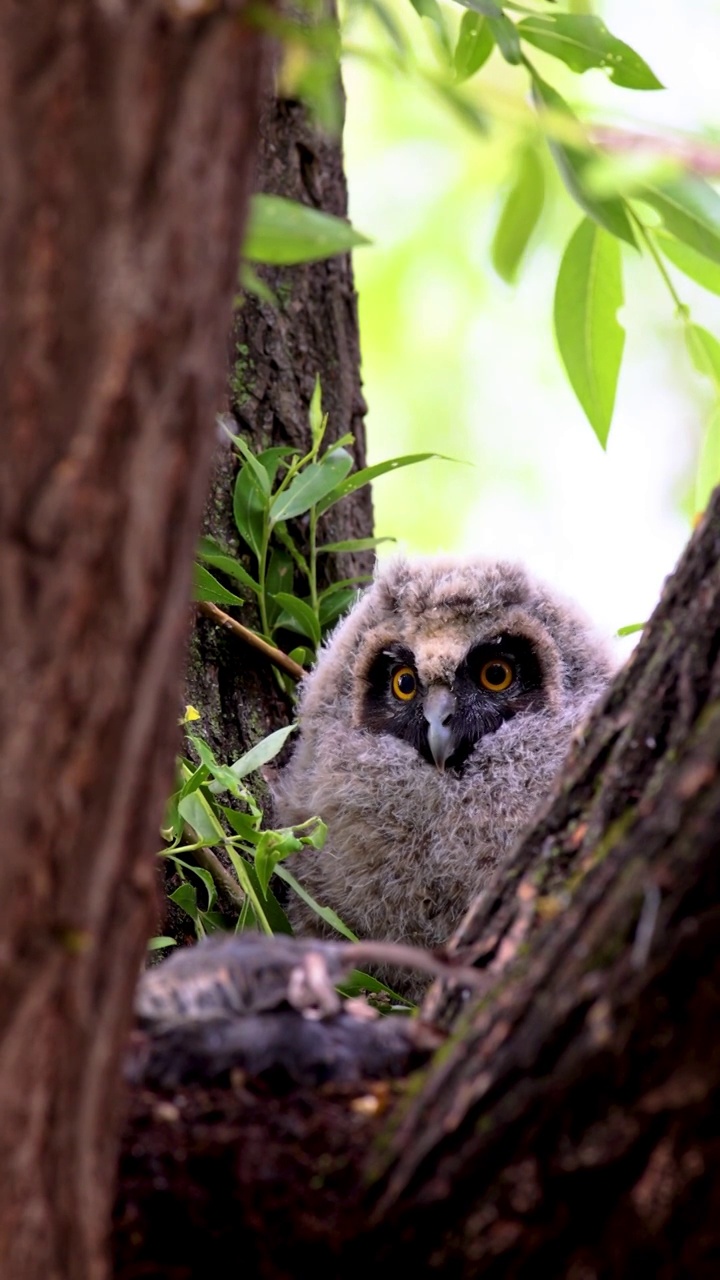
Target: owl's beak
{"x": 438, "y": 709}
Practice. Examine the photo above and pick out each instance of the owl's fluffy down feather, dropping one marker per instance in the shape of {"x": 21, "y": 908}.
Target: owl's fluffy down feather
{"x": 409, "y": 846}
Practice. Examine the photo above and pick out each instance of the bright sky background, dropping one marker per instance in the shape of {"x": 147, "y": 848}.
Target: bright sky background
{"x": 455, "y": 360}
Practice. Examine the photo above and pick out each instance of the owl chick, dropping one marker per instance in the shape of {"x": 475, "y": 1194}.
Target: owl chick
{"x": 433, "y": 724}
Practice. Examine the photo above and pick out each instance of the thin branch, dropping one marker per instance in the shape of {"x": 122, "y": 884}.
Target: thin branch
{"x": 277, "y": 656}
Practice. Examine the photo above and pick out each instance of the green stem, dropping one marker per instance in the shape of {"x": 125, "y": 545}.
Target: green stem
{"x": 313, "y": 563}
{"x": 681, "y": 307}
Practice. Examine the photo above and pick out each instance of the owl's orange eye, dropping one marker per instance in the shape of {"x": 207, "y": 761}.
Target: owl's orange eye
{"x": 496, "y": 675}
{"x": 404, "y": 684}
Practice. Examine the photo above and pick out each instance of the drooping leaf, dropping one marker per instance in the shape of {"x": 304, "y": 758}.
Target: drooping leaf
{"x": 311, "y": 485}
{"x": 590, "y": 338}
{"x": 251, "y": 283}
{"x": 259, "y": 472}
{"x": 354, "y": 544}
{"x": 274, "y": 914}
{"x": 708, "y": 472}
{"x": 325, "y": 913}
{"x": 431, "y": 10}
{"x": 474, "y": 45}
{"x": 506, "y": 38}
{"x": 279, "y": 575}
{"x": 690, "y": 209}
{"x": 284, "y": 232}
{"x": 689, "y": 261}
{"x": 185, "y": 897}
{"x": 519, "y": 217}
{"x": 249, "y": 886}
{"x": 334, "y": 604}
{"x": 297, "y": 616}
{"x": 571, "y": 163}
{"x": 249, "y": 505}
{"x": 212, "y": 553}
{"x": 243, "y": 824}
{"x": 262, "y": 752}
{"x": 704, "y": 350}
{"x": 360, "y": 478}
{"x": 198, "y": 814}
{"x": 157, "y": 944}
{"x": 581, "y": 40}
{"x": 208, "y": 588}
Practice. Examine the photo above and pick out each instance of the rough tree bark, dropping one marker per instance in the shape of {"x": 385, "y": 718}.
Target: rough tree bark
{"x": 570, "y": 1125}
{"x": 277, "y": 352}
{"x": 126, "y": 145}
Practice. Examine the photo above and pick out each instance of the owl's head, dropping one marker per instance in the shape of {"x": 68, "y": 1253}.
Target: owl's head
{"x": 441, "y": 653}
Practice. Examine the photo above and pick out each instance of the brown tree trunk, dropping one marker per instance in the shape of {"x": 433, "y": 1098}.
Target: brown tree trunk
{"x": 570, "y": 1126}
{"x": 277, "y": 352}
{"x": 126, "y": 140}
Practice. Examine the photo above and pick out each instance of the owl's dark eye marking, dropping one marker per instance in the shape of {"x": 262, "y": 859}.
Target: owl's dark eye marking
{"x": 496, "y": 675}
{"x": 404, "y": 684}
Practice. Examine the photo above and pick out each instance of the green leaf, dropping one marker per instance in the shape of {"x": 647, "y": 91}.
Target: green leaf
{"x": 283, "y": 232}
{"x": 311, "y": 485}
{"x": 690, "y": 209}
{"x": 316, "y": 417}
{"x": 249, "y": 506}
{"x": 708, "y": 472}
{"x": 519, "y": 217}
{"x": 156, "y": 944}
{"x": 243, "y": 824}
{"x": 248, "y": 883}
{"x": 357, "y": 982}
{"x": 251, "y": 283}
{"x": 431, "y": 10}
{"x": 271, "y": 459}
{"x": 474, "y": 45}
{"x": 208, "y": 588}
{"x": 334, "y": 604}
{"x": 581, "y": 41}
{"x": 590, "y": 338}
{"x": 259, "y": 472}
{"x": 274, "y": 914}
{"x": 325, "y": 913}
{"x": 211, "y": 553}
{"x": 262, "y": 752}
{"x": 506, "y": 39}
{"x": 279, "y": 578}
{"x": 354, "y": 544}
{"x": 197, "y": 813}
{"x": 572, "y": 162}
{"x": 225, "y": 779}
{"x": 360, "y": 478}
{"x": 689, "y": 261}
{"x": 304, "y": 656}
{"x": 297, "y": 616}
{"x": 704, "y": 350}
{"x": 631, "y": 628}
{"x": 274, "y": 847}
{"x": 185, "y": 897}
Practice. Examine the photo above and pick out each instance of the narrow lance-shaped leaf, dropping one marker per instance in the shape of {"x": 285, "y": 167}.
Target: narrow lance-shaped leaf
{"x": 589, "y": 335}
{"x": 325, "y": 913}
{"x": 213, "y": 554}
{"x": 431, "y": 10}
{"x": 198, "y": 814}
{"x": 690, "y": 209}
{"x": 474, "y": 45}
{"x": 360, "y": 478}
{"x": 704, "y": 350}
{"x": 249, "y": 506}
{"x": 506, "y": 38}
{"x": 521, "y": 211}
{"x": 262, "y": 752}
{"x": 581, "y": 41}
{"x": 693, "y": 264}
{"x": 208, "y": 588}
{"x": 283, "y": 232}
{"x": 297, "y": 616}
{"x": 311, "y": 485}
{"x": 354, "y": 544}
{"x": 571, "y": 163}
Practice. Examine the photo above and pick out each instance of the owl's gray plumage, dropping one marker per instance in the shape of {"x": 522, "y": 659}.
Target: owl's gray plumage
{"x": 409, "y": 843}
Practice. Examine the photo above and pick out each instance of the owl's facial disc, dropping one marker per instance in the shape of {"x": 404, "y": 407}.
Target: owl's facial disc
{"x": 496, "y": 680}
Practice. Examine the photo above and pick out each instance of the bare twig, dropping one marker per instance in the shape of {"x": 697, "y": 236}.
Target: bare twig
{"x": 277, "y": 656}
